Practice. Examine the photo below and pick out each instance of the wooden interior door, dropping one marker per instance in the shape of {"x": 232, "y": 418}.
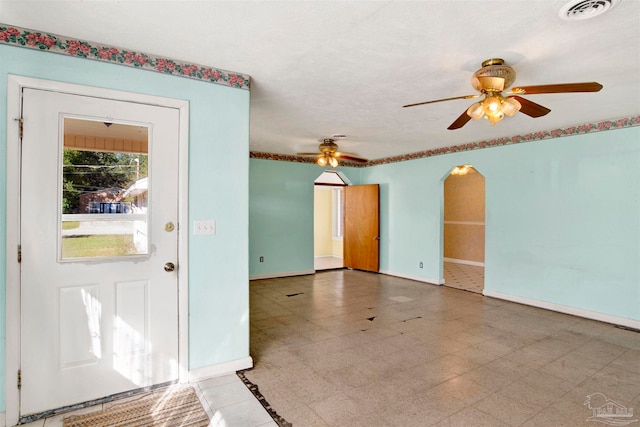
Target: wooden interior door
{"x": 362, "y": 227}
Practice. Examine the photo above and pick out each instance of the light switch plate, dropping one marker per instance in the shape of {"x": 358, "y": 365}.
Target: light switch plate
{"x": 201, "y": 227}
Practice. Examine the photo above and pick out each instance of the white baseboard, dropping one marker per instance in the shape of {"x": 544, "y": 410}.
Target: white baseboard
{"x": 464, "y": 261}
{"x": 411, "y": 277}
{"x": 281, "y": 274}
{"x": 327, "y": 256}
{"x": 594, "y": 315}
{"x": 221, "y": 369}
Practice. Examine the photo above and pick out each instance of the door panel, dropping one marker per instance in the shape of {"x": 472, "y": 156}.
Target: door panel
{"x": 362, "y": 227}
{"x": 96, "y": 323}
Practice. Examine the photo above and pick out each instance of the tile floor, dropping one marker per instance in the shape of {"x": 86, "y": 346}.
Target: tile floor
{"x": 361, "y": 349}
{"x": 463, "y": 276}
{"x": 228, "y": 402}
{"x": 350, "y": 348}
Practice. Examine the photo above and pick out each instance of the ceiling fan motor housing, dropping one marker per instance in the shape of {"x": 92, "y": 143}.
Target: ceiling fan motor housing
{"x": 328, "y": 146}
{"x": 484, "y": 80}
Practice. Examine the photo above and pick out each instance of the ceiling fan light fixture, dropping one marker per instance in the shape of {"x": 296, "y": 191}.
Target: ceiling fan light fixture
{"x": 329, "y": 154}
{"x": 494, "y": 77}
{"x": 492, "y": 106}
{"x": 461, "y": 170}
{"x": 476, "y": 111}
{"x": 495, "y": 117}
{"x": 510, "y": 106}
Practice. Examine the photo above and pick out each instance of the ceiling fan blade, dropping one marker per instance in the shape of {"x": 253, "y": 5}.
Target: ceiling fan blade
{"x": 460, "y": 121}
{"x": 350, "y": 157}
{"x": 444, "y": 99}
{"x": 558, "y": 88}
{"x": 530, "y": 108}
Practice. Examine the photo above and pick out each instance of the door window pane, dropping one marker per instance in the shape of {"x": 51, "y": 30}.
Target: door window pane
{"x": 104, "y": 183}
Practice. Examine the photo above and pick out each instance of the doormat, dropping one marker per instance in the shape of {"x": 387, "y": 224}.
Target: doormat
{"x": 254, "y": 389}
{"x": 178, "y": 407}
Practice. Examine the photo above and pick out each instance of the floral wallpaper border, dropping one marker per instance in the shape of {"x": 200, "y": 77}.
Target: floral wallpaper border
{"x": 54, "y": 43}
{"x": 518, "y": 139}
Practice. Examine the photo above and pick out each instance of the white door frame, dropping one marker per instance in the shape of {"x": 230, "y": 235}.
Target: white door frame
{"x": 15, "y": 84}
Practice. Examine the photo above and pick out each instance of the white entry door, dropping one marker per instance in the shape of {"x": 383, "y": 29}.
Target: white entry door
{"x": 98, "y": 226}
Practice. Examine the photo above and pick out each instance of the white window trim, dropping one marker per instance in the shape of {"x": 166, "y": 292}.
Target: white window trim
{"x": 337, "y": 214}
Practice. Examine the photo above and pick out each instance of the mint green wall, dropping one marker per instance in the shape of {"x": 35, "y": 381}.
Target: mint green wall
{"x": 218, "y": 182}
{"x": 562, "y": 218}
{"x": 281, "y": 216}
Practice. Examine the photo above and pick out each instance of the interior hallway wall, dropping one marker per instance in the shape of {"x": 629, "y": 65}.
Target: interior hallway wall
{"x": 281, "y": 216}
{"x": 322, "y": 219}
{"x": 562, "y": 218}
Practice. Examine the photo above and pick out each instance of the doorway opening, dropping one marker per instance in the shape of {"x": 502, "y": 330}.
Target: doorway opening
{"x": 328, "y": 221}
{"x": 464, "y": 229}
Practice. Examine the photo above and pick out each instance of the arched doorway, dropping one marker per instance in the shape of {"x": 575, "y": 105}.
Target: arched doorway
{"x": 464, "y": 229}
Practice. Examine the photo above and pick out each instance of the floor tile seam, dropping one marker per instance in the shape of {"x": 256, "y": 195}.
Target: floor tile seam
{"x": 597, "y": 360}
{"x": 484, "y": 340}
{"x": 509, "y": 383}
{"x": 548, "y": 349}
{"x": 579, "y": 367}
{"x": 326, "y": 421}
{"x": 234, "y": 402}
{"x": 623, "y": 367}
{"x": 204, "y": 402}
{"x": 496, "y": 418}
{"x": 535, "y": 410}
{"x": 519, "y": 369}
{"x": 595, "y": 374}
{"x": 543, "y": 407}
{"x": 550, "y": 405}
{"x": 578, "y": 384}
{"x": 466, "y": 406}
{"x": 480, "y": 384}
{"x": 238, "y": 402}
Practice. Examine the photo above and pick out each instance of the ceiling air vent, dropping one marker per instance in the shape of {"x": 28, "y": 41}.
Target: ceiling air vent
{"x": 578, "y": 10}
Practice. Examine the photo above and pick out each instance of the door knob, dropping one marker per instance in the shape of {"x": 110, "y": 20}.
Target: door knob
{"x": 169, "y": 267}
{"x": 376, "y": 238}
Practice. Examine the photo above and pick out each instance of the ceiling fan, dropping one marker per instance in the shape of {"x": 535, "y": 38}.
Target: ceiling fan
{"x": 329, "y": 154}
{"x": 491, "y": 80}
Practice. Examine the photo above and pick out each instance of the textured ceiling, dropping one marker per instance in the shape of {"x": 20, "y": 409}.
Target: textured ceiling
{"x": 321, "y": 68}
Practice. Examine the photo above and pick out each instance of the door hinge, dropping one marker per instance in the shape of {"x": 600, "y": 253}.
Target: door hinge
{"x": 21, "y": 126}
{"x": 19, "y": 253}
{"x": 19, "y": 379}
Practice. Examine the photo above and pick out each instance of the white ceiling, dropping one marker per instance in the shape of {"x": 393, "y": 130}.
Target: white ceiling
{"x": 321, "y": 68}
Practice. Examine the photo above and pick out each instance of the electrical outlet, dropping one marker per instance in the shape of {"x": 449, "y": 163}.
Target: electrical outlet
{"x": 261, "y": 259}
{"x": 204, "y": 227}
{"x": 420, "y": 264}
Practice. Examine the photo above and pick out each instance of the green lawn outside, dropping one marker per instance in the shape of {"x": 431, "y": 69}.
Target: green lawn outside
{"x": 98, "y": 245}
